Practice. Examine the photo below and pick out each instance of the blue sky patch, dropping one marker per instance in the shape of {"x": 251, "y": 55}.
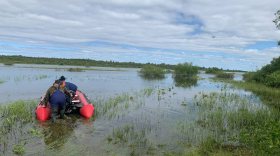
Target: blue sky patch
{"x": 261, "y": 45}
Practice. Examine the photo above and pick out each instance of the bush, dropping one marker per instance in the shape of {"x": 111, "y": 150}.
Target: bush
{"x": 152, "y": 72}
{"x": 185, "y": 75}
{"x": 224, "y": 75}
{"x": 268, "y": 74}
{"x": 185, "y": 70}
{"x": 273, "y": 80}
{"x": 249, "y": 76}
{"x": 213, "y": 70}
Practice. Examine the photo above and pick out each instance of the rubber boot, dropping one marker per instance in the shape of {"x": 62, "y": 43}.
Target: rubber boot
{"x": 54, "y": 113}
{"x": 62, "y": 112}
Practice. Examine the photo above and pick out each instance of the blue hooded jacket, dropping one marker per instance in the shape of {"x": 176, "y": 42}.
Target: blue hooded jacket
{"x": 71, "y": 86}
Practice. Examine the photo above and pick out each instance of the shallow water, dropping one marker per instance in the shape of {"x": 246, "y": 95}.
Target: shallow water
{"x": 143, "y": 121}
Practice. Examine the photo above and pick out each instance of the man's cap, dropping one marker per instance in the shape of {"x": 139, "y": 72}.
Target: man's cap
{"x": 62, "y": 78}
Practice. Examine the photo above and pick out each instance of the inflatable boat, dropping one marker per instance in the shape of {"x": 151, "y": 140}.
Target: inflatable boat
{"x": 80, "y": 104}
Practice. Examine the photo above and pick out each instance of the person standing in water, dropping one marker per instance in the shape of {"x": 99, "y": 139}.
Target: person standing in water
{"x": 56, "y": 96}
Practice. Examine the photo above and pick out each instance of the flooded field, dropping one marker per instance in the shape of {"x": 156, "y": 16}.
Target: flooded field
{"x": 133, "y": 116}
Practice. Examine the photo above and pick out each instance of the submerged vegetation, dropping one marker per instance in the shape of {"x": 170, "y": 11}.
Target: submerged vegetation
{"x": 14, "y": 118}
{"x": 75, "y": 70}
{"x": 268, "y": 95}
{"x": 233, "y": 122}
{"x": 224, "y": 75}
{"x": 185, "y": 75}
{"x": 152, "y": 72}
{"x": 8, "y": 64}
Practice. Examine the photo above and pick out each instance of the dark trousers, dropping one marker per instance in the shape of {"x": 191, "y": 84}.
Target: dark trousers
{"x": 58, "y": 108}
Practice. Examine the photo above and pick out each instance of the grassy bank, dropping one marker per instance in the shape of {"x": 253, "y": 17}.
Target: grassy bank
{"x": 269, "y": 95}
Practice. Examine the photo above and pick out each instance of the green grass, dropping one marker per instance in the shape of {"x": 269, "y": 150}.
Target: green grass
{"x": 13, "y": 119}
{"x": 235, "y": 124}
{"x": 19, "y": 149}
{"x": 2, "y": 81}
{"x": 185, "y": 70}
{"x": 152, "y": 72}
{"x": 133, "y": 139}
{"x": 115, "y": 106}
{"x": 185, "y": 75}
{"x": 224, "y": 75}
{"x": 8, "y": 64}
{"x": 269, "y": 95}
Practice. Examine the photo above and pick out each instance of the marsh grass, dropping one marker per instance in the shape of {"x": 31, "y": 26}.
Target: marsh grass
{"x": 19, "y": 149}
{"x": 224, "y": 75}
{"x": 134, "y": 139}
{"x": 2, "y": 81}
{"x": 8, "y": 64}
{"x": 40, "y": 77}
{"x": 185, "y": 75}
{"x": 233, "y": 122}
{"x": 29, "y": 78}
{"x": 116, "y": 106}
{"x": 75, "y": 70}
{"x": 152, "y": 72}
{"x": 268, "y": 95}
{"x": 14, "y": 119}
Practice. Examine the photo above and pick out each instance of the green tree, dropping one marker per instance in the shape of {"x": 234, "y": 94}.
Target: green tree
{"x": 277, "y": 21}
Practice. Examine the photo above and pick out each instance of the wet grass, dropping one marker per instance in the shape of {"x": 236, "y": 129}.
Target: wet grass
{"x": 14, "y": 118}
{"x": 235, "y": 123}
{"x": 135, "y": 140}
{"x": 19, "y": 149}
{"x": 40, "y": 77}
{"x": 8, "y": 64}
{"x": 224, "y": 75}
{"x": 116, "y": 106}
{"x": 268, "y": 95}
{"x": 152, "y": 72}
{"x": 28, "y": 77}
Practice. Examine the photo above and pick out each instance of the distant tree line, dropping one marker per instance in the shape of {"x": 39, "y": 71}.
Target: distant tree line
{"x": 19, "y": 59}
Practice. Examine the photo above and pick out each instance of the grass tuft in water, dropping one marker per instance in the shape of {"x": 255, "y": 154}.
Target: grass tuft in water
{"x": 152, "y": 72}
{"x": 8, "y": 64}
{"x": 234, "y": 122}
{"x": 135, "y": 140}
{"x": 224, "y": 75}
{"x": 75, "y": 70}
{"x": 19, "y": 149}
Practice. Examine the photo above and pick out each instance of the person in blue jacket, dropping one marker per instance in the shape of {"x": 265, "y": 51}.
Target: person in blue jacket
{"x": 69, "y": 86}
{"x": 56, "y": 96}
{"x": 72, "y": 88}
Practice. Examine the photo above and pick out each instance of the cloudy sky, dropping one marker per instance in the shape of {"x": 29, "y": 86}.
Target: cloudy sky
{"x": 232, "y": 34}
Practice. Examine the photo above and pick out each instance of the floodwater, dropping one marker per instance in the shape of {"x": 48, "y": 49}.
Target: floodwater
{"x": 134, "y": 116}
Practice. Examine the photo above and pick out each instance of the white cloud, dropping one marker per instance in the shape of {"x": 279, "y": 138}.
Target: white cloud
{"x": 227, "y": 26}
